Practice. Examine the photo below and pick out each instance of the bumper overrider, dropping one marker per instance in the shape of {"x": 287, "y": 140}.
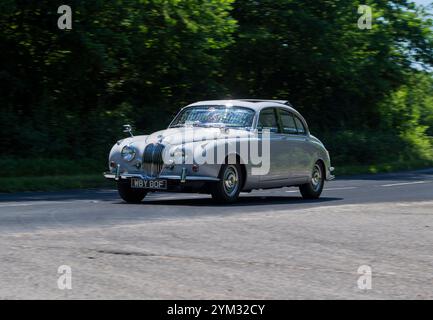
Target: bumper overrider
{"x": 330, "y": 175}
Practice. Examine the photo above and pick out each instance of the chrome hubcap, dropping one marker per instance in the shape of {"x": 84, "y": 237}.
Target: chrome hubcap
{"x": 231, "y": 180}
{"x": 316, "y": 179}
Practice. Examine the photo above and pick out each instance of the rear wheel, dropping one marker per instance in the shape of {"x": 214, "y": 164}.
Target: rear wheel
{"x": 227, "y": 190}
{"x": 129, "y": 194}
{"x": 314, "y": 188}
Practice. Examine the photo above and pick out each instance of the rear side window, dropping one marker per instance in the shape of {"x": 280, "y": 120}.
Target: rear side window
{"x": 268, "y": 120}
{"x": 288, "y": 122}
{"x": 300, "y": 126}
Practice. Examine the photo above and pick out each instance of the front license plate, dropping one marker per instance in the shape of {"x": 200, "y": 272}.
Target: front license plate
{"x": 149, "y": 184}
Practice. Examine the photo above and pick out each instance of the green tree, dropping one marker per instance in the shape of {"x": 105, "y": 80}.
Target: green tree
{"x": 313, "y": 53}
{"x": 67, "y": 92}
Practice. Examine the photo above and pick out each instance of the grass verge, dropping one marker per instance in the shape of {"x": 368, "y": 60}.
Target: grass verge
{"x": 382, "y": 168}
{"x": 53, "y": 183}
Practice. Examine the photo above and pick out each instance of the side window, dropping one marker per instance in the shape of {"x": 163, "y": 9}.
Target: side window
{"x": 268, "y": 120}
{"x": 288, "y": 122}
{"x": 300, "y": 126}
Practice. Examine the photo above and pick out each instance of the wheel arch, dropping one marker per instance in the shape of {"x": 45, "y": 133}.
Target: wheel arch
{"x": 322, "y": 163}
{"x": 241, "y": 163}
{"x": 325, "y": 167}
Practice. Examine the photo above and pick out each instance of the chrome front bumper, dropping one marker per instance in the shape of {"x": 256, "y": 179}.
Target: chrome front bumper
{"x": 123, "y": 176}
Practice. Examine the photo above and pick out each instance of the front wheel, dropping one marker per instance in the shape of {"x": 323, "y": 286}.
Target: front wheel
{"x": 129, "y": 194}
{"x": 314, "y": 188}
{"x": 227, "y": 190}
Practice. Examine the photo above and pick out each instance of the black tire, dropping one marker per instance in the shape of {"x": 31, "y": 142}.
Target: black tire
{"x": 314, "y": 188}
{"x": 129, "y": 194}
{"x": 227, "y": 190}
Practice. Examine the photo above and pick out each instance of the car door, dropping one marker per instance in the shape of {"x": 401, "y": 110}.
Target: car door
{"x": 295, "y": 147}
{"x": 307, "y": 149}
{"x": 268, "y": 121}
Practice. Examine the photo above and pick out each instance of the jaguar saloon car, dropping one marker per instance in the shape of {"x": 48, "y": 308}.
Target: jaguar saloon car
{"x": 223, "y": 148}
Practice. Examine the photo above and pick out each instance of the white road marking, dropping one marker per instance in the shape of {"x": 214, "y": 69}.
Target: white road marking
{"x": 15, "y": 205}
{"x": 174, "y": 197}
{"x": 403, "y": 184}
{"x": 342, "y": 188}
{"x": 327, "y": 189}
{"x": 41, "y": 203}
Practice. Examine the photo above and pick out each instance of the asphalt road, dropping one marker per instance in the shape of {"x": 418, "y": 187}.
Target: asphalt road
{"x": 271, "y": 245}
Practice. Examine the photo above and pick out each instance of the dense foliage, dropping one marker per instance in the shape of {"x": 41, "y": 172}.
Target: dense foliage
{"x": 66, "y": 93}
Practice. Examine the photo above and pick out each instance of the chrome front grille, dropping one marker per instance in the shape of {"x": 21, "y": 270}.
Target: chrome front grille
{"x": 152, "y": 159}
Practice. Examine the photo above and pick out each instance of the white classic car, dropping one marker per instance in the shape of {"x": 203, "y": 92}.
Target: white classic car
{"x": 222, "y": 148}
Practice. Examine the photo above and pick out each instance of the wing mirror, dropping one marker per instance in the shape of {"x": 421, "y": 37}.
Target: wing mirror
{"x": 127, "y": 128}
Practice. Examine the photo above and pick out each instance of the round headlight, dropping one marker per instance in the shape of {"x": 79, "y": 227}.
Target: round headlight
{"x": 128, "y": 153}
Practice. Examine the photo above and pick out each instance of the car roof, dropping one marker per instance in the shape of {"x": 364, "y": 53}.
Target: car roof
{"x": 254, "y": 104}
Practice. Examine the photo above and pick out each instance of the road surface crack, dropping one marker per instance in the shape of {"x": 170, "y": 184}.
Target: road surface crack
{"x": 127, "y": 253}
